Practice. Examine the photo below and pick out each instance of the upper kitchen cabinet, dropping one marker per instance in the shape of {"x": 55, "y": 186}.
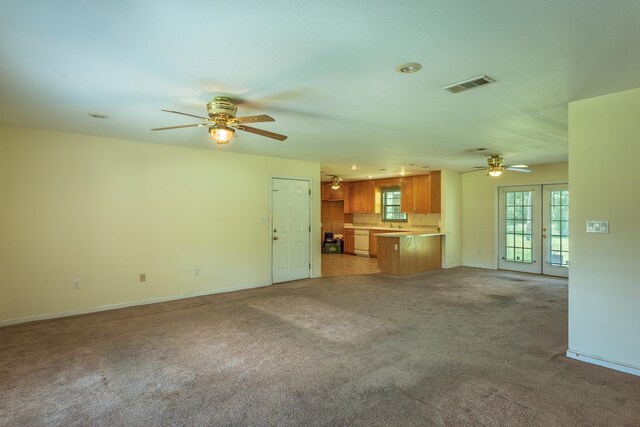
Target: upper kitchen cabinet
{"x": 362, "y": 197}
{"x": 330, "y": 194}
{"x": 421, "y": 194}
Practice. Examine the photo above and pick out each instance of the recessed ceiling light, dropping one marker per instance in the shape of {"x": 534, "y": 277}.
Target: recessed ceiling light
{"x": 98, "y": 116}
{"x": 370, "y": 177}
{"x": 409, "y": 67}
{"x": 354, "y": 167}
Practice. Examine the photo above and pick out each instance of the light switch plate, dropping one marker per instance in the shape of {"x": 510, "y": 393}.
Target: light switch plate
{"x": 597, "y": 226}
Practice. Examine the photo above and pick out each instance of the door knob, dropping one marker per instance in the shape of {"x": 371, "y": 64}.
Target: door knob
{"x": 544, "y": 236}
{"x": 275, "y": 237}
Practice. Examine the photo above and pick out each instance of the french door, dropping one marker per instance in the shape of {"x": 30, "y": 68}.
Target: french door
{"x": 534, "y": 229}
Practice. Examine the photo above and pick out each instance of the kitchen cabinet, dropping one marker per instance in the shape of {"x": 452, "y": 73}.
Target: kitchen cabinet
{"x": 362, "y": 197}
{"x": 330, "y": 194}
{"x": 420, "y": 194}
{"x": 349, "y": 247}
{"x": 373, "y": 241}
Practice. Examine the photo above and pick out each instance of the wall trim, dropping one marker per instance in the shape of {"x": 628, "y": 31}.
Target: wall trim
{"x": 595, "y": 360}
{"x": 108, "y": 307}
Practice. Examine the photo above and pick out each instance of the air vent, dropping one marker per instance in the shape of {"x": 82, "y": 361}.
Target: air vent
{"x": 469, "y": 84}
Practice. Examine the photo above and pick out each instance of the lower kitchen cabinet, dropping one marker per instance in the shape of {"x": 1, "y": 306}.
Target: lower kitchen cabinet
{"x": 349, "y": 247}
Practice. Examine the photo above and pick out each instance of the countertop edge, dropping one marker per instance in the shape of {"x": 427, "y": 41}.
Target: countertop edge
{"x": 410, "y": 234}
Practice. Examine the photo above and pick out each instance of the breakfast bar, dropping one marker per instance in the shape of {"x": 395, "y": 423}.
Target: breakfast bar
{"x": 408, "y": 252}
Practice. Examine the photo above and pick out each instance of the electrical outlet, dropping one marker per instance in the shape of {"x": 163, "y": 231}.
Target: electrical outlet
{"x": 76, "y": 284}
{"x": 143, "y": 277}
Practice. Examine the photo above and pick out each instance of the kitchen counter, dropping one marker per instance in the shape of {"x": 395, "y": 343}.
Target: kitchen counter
{"x": 410, "y": 234}
{"x": 428, "y": 229}
{"x": 409, "y": 252}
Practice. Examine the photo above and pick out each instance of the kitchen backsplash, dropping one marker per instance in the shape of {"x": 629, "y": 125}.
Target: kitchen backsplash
{"x": 413, "y": 220}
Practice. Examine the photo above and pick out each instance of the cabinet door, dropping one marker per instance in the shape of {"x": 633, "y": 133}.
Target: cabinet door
{"x": 346, "y": 192}
{"x": 435, "y": 192}
{"x": 422, "y": 193}
{"x": 369, "y": 196}
{"x": 349, "y": 247}
{"x": 355, "y": 197}
{"x": 406, "y": 195}
{"x": 337, "y": 194}
{"x": 325, "y": 191}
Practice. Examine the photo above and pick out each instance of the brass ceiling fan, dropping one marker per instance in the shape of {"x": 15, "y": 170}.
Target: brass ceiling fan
{"x": 496, "y": 167}
{"x": 222, "y": 121}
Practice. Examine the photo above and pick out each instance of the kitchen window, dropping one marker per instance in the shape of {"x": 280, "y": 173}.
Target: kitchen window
{"x": 391, "y": 204}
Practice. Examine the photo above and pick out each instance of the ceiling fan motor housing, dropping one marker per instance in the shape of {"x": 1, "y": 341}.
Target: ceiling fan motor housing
{"x": 221, "y": 106}
{"x": 495, "y": 161}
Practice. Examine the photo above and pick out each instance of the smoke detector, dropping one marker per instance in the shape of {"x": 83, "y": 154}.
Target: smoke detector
{"x": 469, "y": 84}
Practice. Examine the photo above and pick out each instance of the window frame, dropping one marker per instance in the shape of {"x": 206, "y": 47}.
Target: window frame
{"x": 383, "y": 204}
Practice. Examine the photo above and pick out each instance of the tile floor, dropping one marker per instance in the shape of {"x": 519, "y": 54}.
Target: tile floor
{"x": 344, "y": 265}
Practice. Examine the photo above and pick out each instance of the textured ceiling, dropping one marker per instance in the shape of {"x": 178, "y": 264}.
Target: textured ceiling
{"x": 325, "y": 70}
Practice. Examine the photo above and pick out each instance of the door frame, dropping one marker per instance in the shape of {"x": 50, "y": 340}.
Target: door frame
{"x": 535, "y": 266}
{"x": 549, "y": 269}
{"x": 542, "y": 220}
{"x": 312, "y": 239}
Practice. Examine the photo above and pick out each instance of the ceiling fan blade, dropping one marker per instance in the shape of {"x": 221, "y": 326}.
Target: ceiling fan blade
{"x": 262, "y": 132}
{"x": 254, "y": 119}
{"x": 186, "y": 114}
{"x": 518, "y": 170}
{"x": 181, "y": 126}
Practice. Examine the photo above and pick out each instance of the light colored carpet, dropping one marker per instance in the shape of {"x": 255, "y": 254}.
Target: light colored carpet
{"x": 456, "y": 347}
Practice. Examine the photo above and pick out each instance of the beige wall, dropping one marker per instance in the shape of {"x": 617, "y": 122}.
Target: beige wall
{"x": 604, "y": 183}
{"x": 480, "y": 204}
{"x": 103, "y": 211}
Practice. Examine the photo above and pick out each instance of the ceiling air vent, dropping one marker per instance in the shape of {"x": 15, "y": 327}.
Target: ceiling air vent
{"x": 469, "y": 84}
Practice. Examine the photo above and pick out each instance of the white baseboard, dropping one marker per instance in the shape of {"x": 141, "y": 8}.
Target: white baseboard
{"x": 618, "y": 366}
{"x": 127, "y": 304}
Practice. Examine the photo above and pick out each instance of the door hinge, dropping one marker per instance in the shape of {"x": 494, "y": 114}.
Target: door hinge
{"x": 309, "y": 266}
{"x": 309, "y": 229}
{"x": 309, "y": 191}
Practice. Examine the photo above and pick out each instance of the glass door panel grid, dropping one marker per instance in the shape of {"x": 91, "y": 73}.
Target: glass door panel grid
{"x": 518, "y": 219}
{"x": 559, "y": 233}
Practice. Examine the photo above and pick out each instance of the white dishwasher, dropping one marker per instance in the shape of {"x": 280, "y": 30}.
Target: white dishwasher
{"x": 361, "y": 242}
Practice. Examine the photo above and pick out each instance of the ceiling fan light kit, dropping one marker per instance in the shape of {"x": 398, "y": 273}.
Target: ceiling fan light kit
{"x": 222, "y": 121}
{"x": 496, "y": 168}
{"x": 221, "y": 134}
{"x": 336, "y": 182}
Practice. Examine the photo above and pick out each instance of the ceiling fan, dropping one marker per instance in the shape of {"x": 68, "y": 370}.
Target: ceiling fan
{"x": 222, "y": 121}
{"x": 496, "y": 167}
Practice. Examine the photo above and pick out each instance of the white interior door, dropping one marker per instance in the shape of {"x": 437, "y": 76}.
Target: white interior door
{"x": 520, "y": 233}
{"x": 291, "y": 232}
{"x": 555, "y": 231}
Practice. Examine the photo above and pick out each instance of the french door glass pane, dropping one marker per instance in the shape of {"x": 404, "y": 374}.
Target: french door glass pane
{"x": 559, "y": 232}
{"x": 518, "y": 218}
